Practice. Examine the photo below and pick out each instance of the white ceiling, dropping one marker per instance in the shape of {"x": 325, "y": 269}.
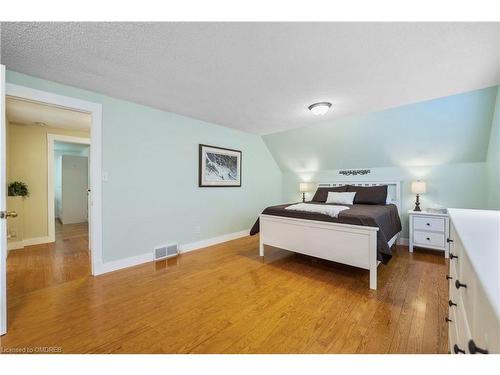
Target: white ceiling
{"x": 29, "y": 113}
{"x": 260, "y": 77}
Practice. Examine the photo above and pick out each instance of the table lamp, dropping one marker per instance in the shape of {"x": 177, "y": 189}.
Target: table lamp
{"x": 418, "y": 187}
{"x": 303, "y": 188}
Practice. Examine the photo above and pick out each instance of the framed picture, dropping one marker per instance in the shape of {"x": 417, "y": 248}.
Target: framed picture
{"x": 219, "y": 167}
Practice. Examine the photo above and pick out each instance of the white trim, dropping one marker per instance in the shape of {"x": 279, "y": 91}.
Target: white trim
{"x": 119, "y": 264}
{"x": 3, "y": 206}
{"x": 212, "y": 241}
{"x": 95, "y": 109}
{"x": 51, "y": 138}
{"x": 15, "y": 245}
{"x": 36, "y": 241}
{"x": 29, "y": 242}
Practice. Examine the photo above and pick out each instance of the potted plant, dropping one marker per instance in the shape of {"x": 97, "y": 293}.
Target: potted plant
{"x": 18, "y": 189}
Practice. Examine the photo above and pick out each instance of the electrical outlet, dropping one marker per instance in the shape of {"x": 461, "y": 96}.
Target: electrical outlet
{"x": 197, "y": 229}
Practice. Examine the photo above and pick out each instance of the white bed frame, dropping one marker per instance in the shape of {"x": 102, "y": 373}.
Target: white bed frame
{"x": 354, "y": 245}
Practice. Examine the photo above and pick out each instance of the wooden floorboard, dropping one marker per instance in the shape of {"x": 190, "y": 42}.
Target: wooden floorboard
{"x": 40, "y": 266}
{"x": 225, "y": 299}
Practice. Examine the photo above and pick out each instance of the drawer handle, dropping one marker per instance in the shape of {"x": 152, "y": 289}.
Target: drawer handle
{"x": 451, "y": 303}
{"x": 459, "y": 285}
{"x": 449, "y": 240}
{"x": 428, "y": 224}
{"x": 473, "y": 349}
{"x": 453, "y": 256}
{"x": 457, "y": 350}
{"x": 428, "y": 239}
{"x": 448, "y": 320}
{"x": 448, "y": 277}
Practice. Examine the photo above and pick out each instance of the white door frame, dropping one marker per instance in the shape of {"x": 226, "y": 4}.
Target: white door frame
{"x": 3, "y": 206}
{"x": 95, "y": 110}
{"x": 51, "y": 138}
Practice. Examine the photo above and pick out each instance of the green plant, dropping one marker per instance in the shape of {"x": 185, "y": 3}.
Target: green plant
{"x": 18, "y": 188}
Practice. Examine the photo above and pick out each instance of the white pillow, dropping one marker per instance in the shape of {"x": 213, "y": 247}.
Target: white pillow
{"x": 340, "y": 198}
{"x": 388, "y": 199}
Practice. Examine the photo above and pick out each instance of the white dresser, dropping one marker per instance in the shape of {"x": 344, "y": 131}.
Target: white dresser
{"x": 474, "y": 282}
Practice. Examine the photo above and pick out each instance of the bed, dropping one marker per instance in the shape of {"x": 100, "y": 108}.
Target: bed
{"x": 361, "y": 236}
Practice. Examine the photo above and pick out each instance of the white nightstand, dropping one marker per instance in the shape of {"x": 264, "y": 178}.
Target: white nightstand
{"x": 430, "y": 230}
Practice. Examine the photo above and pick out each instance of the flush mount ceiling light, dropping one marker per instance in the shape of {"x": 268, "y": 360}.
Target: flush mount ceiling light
{"x": 320, "y": 108}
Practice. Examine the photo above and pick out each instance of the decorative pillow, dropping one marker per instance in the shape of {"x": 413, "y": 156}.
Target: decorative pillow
{"x": 369, "y": 194}
{"x": 341, "y": 198}
{"x": 322, "y": 192}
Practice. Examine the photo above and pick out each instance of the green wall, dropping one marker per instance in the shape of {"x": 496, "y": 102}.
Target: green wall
{"x": 449, "y": 185}
{"x": 443, "y": 141}
{"x": 151, "y": 156}
{"x": 493, "y": 160}
{"x": 152, "y": 196}
{"x": 453, "y": 129}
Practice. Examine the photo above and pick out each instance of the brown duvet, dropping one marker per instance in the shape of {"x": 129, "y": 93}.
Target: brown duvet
{"x": 385, "y": 217}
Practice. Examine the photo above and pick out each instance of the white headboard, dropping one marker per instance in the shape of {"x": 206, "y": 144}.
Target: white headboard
{"x": 393, "y": 188}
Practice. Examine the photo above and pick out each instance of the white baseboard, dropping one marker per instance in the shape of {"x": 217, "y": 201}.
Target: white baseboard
{"x": 15, "y": 245}
{"x": 212, "y": 241}
{"x": 119, "y": 264}
{"x": 403, "y": 241}
{"x": 28, "y": 242}
{"x": 36, "y": 241}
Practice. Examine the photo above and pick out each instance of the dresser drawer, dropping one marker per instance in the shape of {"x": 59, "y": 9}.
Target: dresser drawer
{"x": 466, "y": 276}
{"x": 462, "y": 327}
{"x": 485, "y": 330}
{"x": 455, "y": 245}
{"x": 429, "y": 239}
{"x": 435, "y": 224}
{"x": 452, "y": 330}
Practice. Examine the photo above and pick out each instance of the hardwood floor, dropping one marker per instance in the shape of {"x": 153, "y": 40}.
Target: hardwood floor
{"x": 39, "y": 266}
{"x": 225, "y": 299}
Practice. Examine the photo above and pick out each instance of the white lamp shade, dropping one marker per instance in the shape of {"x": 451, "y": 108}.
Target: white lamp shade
{"x": 304, "y": 187}
{"x": 418, "y": 187}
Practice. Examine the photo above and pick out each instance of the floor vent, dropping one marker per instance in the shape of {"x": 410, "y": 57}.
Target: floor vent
{"x": 167, "y": 251}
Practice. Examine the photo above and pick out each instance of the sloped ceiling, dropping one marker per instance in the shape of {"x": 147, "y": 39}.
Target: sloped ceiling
{"x": 453, "y": 129}
{"x": 259, "y": 77}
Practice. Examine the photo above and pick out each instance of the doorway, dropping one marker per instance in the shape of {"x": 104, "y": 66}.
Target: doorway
{"x": 48, "y": 152}
{"x": 95, "y": 217}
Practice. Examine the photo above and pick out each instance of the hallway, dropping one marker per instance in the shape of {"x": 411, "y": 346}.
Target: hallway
{"x": 40, "y": 266}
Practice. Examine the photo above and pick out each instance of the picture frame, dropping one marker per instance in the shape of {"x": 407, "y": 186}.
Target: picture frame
{"x": 219, "y": 166}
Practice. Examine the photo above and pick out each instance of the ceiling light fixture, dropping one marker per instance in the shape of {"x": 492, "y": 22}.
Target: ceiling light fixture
{"x": 320, "y": 108}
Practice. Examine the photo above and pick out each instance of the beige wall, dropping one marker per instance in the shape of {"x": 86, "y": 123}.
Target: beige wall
{"x": 27, "y": 162}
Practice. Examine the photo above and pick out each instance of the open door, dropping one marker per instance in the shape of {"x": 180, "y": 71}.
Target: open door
{"x": 3, "y": 209}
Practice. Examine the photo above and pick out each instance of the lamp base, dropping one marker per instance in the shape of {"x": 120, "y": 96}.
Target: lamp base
{"x": 417, "y": 205}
